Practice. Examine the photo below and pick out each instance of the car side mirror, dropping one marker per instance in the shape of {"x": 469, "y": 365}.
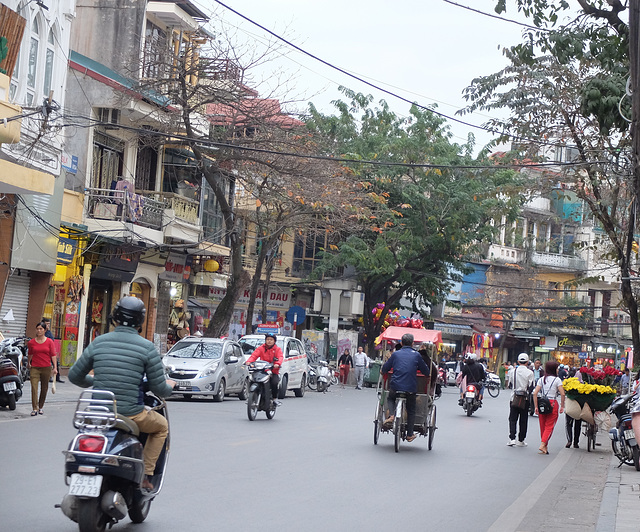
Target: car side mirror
{"x": 232, "y": 359}
{"x": 293, "y": 353}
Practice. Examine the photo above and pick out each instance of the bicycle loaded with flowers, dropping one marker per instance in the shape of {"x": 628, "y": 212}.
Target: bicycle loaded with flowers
{"x": 596, "y": 390}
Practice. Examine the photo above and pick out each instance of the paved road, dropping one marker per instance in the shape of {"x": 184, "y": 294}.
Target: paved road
{"x": 314, "y": 467}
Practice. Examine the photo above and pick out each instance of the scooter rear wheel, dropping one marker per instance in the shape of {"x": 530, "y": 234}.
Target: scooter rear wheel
{"x": 139, "y": 509}
{"x": 252, "y": 405}
{"x": 11, "y": 402}
{"x": 90, "y": 516}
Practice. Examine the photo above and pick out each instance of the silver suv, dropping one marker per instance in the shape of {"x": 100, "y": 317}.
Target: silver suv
{"x": 208, "y": 366}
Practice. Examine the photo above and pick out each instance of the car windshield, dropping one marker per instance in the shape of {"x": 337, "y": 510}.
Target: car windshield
{"x": 251, "y": 343}
{"x": 196, "y": 350}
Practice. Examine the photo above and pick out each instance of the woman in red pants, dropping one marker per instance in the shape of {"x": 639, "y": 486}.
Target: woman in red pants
{"x": 549, "y": 386}
{"x": 345, "y": 363}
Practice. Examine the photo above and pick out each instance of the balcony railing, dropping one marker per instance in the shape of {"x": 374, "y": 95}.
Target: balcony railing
{"x": 123, "y": 206}
{"x": 185, "y": 207}
{"x": 557, "y": 260}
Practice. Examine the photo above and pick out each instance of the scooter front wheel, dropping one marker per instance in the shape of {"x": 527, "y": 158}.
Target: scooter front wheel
{"x": 252, "y": 404}
{"x": 90, "y": 516}
{"x": 271, "y": 411}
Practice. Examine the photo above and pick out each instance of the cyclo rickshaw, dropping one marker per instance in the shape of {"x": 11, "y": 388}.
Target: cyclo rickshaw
{"x": 425, "y": 420}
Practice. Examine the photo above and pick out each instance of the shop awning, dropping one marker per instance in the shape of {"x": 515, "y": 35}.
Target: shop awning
{"x": 419, "y": 335}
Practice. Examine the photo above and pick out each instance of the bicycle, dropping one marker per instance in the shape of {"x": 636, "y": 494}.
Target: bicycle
{"x": 492, "y": 387}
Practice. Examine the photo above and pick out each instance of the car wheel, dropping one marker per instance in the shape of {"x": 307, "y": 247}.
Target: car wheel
{"x": 303, "y": 384}
{"x": 219, "y": 397}
{"x": 245, "y": 390}
{"x": 282, "y": 391}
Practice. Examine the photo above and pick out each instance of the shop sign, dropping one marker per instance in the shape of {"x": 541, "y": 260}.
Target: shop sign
{"x": 69, "y": 163}
{"x": 567, "y": 343}
{"x": 583, "y": 354}
{"x": 177, "y": 268}
{"x": 605, "y": 349}
{"x": 277, "y": 297}
{"x": 66, "y": 250}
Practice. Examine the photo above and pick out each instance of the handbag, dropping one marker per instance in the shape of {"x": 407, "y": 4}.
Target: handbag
{"x": 519, "y": 396}
{"x": 544, "y": 404}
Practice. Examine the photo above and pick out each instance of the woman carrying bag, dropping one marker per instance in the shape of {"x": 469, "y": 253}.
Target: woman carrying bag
{"x": 546, "y": 405}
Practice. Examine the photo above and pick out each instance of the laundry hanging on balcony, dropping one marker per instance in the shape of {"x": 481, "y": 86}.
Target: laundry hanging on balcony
{"x": 124, "y": 194}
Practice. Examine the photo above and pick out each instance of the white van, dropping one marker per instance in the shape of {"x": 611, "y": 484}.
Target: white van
{"x": 295, "y": 367}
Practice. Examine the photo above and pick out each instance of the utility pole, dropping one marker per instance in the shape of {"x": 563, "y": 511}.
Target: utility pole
{"x": 634, "y": 61}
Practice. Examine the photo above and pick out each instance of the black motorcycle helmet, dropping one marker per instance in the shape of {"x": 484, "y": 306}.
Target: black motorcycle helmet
{"x": 130, "y": 312}
{"x": 270, "y": 335}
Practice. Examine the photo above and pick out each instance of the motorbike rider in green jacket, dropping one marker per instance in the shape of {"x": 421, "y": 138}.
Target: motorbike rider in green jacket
{"x": 120, "y": 359}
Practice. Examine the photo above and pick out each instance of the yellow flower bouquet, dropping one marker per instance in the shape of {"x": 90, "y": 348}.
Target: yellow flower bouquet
{"x": 597, "y": 396}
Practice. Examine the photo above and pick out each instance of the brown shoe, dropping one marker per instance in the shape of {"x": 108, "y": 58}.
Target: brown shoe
{"x": 412, "y": 437}
{"x": 146, "y": 484}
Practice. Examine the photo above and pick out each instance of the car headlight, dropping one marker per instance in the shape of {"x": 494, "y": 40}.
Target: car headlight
{"x": 211, "y": 369}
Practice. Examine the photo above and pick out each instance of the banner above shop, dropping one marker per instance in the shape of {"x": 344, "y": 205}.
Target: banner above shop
{"x": 277, "y": 298}
{"x": 66, "y": 250}
{"x": 118, "y": 263}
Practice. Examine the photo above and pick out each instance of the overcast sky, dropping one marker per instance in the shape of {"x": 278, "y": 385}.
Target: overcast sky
{"x": 425, "y": 51}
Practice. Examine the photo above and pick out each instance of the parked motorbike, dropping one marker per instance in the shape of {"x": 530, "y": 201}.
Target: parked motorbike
{"x": 324, "y": 376}
{"x": 10, "y": 383}
{"x": 104, "y": 466}
{"x": 623, "y": 439}
{"x": 16, "y": 350}
{"x": 471, "y": 401}
{"x": 259, "y": 397}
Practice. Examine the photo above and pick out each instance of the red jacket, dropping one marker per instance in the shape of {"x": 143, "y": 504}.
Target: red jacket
{"x": 273, "y": 355}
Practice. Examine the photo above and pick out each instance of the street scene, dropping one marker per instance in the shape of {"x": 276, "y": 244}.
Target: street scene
{"x": 315, "y": 465}
{"x": 292, "y": 265}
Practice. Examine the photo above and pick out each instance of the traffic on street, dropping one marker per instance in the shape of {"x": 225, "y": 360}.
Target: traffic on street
{"x": 315, "y": 466}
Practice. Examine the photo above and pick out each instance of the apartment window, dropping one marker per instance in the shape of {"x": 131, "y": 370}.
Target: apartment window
{"x": 108, "y": 160}
{"x": 32, "y": 71}
{"x": 48, "y": 65}
{"x": 154, "y": 53}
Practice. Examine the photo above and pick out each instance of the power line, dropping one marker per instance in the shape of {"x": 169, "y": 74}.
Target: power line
{"x": 496, "y": 16}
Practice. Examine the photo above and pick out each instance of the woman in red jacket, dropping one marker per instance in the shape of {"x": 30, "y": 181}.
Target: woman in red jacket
{"x": 43, "y": 361}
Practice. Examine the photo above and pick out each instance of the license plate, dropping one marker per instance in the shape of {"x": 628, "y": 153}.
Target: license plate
{"x": 85, "y": 485}
{"x": 183, "y": 385}
{"x": 471, "y": 394}
{"x": 629, "y": 435}
{"x": 9, "y": 386}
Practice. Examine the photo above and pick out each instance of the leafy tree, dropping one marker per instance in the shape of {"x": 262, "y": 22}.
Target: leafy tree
{"x": 567, "y": 87}
{"x": 424, "y": 217}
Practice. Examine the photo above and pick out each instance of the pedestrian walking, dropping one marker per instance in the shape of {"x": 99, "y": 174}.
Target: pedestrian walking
{"x": 549, "y": 387}
{"x": 49, "y": 335}
{"x": 345, "y": 363}
{"x": 361, "y": 362}
{"x": 41, "y": 353}
{"x": 624, "y": 382}
{"x": 522, "y": 378}
{"x": 502, "y": 373}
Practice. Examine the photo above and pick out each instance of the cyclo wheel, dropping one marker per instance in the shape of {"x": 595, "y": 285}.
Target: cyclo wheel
{"x": 493, "y": 389}
{"x": 397, "y": 425}
{"x": 432, "y": 426}
{"x": 377, "y": 424}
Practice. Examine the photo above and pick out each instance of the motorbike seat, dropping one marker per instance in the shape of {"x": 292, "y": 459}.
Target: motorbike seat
{"x": 125, "y": 424}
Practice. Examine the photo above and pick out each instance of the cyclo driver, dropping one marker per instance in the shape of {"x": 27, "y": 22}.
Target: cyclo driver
{"x": 270, "y": 352}
{"x": 475, "y": 374}
{"x": 405, "y": 363}
{"x": 119, "y": 360}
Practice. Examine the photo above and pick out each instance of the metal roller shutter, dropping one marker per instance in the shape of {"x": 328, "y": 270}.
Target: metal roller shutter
{"x": 16, "y": 298}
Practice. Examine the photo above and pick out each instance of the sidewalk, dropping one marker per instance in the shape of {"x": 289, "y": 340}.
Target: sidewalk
{"x": 620, "y": 507}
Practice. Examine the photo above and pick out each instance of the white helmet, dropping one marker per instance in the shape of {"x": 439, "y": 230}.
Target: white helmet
{"x": 523, "y": 357}
{"x": 471, "y": 356}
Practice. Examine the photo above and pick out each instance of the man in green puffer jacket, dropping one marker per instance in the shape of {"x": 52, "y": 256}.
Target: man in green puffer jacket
{"x": 120, "y": 360}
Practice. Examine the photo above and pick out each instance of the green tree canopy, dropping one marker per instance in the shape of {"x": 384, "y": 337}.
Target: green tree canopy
{"x": 426, "y": 216}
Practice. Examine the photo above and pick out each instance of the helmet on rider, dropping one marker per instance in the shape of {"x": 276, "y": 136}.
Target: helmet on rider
{"x": 471, "y": 356}
{"x": 270, "y": 335}
{"x": 523, "y": 358}
{"x": 129, "y": 311}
